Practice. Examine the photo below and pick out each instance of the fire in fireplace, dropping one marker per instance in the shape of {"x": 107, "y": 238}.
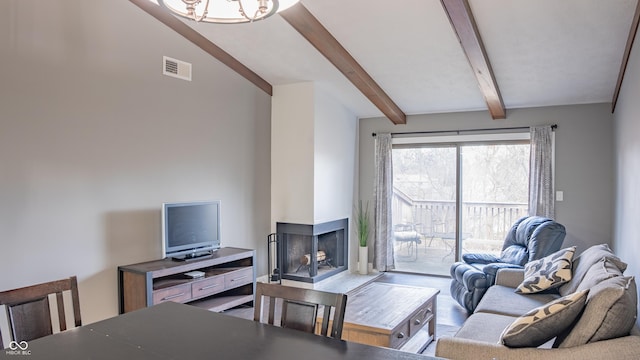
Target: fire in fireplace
{"x": 311, "y": 253}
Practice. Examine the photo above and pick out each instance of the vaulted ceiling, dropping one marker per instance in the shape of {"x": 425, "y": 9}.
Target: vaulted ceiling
{"x": 396, "y": 58}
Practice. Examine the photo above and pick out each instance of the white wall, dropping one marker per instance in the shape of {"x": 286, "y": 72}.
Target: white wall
{"x": 335, "y": 165}
{"x": 334, "y": 158}
{"x": 313, "y": 155}
{"x": 627, "y": 166}
{"x": 584, "y": 157}
{"x": 93, "y": 138}
{"x": 292, "y": 159}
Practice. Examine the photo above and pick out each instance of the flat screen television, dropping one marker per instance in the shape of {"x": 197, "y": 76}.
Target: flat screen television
{"x": 190, "y": 229}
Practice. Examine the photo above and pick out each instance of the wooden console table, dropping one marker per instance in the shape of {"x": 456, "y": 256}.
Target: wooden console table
{"x": 390, "y": 315}
{"x": 228, "y": 281}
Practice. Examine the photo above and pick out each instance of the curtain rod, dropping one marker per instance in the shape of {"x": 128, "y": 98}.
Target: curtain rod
{"x": 553, "y": 127}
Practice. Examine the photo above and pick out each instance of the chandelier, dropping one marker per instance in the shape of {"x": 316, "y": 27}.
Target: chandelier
{"x": 226, "y": 11}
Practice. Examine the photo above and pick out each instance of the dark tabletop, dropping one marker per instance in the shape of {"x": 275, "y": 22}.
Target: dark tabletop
{"x": 177, "y": 331}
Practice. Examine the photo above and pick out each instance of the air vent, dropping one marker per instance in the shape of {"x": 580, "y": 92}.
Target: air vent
{"x": 176, "y": 68}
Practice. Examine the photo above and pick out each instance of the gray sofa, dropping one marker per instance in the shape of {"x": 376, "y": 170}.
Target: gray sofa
{"x": 603, "y": 329}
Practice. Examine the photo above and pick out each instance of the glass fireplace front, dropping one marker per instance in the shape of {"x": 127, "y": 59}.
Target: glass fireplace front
{"x": 311, "y": 253}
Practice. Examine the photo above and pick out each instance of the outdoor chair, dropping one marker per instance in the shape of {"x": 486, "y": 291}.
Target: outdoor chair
{"x": 407, "y": 234}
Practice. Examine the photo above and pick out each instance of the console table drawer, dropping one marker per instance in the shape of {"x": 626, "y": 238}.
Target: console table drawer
{"x": 208, "y": 286}
{"x": 179, "y": 293}
{"x": 237, "y": 278}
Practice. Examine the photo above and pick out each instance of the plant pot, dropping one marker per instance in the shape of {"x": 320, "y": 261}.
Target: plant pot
{"x": 363, "y": 260}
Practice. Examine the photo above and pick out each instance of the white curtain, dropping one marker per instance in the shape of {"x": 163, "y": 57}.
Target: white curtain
{"x": 383, "y": 192}
{"x": 541, "y": 197}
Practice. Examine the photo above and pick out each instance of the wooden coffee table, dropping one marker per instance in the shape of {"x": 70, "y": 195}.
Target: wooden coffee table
{"x": 390, "y": 315}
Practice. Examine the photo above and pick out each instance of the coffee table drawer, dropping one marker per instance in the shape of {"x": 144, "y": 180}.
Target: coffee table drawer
{"x": 399, "y": 336}
{"x": 422, "y": 317}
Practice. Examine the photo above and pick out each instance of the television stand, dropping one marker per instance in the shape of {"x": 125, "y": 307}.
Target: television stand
{"x": 229, "y": 281}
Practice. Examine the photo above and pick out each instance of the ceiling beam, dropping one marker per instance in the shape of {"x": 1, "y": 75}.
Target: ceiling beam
{"x": 464, "y": 25}
{"x": 310, "y": 28}
{"x": 203, "y": 43}
{"x": 625, "y": 57}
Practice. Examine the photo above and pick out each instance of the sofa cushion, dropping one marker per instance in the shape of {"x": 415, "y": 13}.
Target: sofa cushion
{"x": 547, "y": 273}
{"x": 598, "y": 272}
{"x": 502, "y": 300}
{"x": 545, "y": 322}
{"x": 484, "y": 327}
{"x": 492, "y": 270}
{"x": 610, "y": 312}
{"x": 583, "y": 262}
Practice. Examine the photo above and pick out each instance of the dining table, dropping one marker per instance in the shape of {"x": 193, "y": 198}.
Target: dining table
{"x": 179, "y": 331}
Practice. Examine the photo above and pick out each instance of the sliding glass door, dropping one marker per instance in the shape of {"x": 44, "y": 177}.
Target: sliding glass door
{"x": 495, "y": 187}
{"x": 455, "y": 198}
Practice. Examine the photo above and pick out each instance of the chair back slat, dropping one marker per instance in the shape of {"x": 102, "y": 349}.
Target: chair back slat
{"x": 28, "y": 309}
{"x": 299, "y": 308}
{"x": 75, "y": 301}
{"x": 299, "y": 315}
{"x": 338, "y": 316}
{"x": 61, "y": 316}
{"x": 272, "y": 310}
{"x": 325, "y": 320}
{"x": 30, "y": 320}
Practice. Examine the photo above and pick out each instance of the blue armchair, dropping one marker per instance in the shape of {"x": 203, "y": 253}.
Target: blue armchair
{"x": 530, "y": 238}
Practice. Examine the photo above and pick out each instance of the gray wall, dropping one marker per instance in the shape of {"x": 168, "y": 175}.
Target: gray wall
{"x": 584, "y": 169}
{"x": 627, "y": 166}
{"x": 93, "y": 138}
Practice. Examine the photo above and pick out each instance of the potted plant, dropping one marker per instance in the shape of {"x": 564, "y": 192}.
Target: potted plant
{"x": 362, "y": 230}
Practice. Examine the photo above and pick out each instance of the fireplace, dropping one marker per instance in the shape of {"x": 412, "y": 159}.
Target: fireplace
{"x": 311, "y": 253}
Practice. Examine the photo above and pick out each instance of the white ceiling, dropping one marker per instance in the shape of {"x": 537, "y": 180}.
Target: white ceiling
{"x": 543, "y": 52}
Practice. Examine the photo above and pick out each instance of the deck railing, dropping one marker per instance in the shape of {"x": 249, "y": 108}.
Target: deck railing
{"x": 481, "y": 220}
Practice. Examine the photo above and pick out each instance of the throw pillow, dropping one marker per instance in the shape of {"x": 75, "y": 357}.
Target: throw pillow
{"x": 545, "y": 322}
{"x": 610, "y": 313}
{"x": 547, "y": 273}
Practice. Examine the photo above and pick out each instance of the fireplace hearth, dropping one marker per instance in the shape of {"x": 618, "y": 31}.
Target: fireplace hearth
{"x": 311, "y": 253}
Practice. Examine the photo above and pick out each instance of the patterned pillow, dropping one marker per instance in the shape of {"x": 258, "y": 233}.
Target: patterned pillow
{"x": 547, "y": 273}
{"x": 545, "y": 322}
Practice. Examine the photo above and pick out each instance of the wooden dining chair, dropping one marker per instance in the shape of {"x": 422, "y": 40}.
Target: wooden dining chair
{"x": 28, "y": 311}
{"x": 299, "y": 308}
